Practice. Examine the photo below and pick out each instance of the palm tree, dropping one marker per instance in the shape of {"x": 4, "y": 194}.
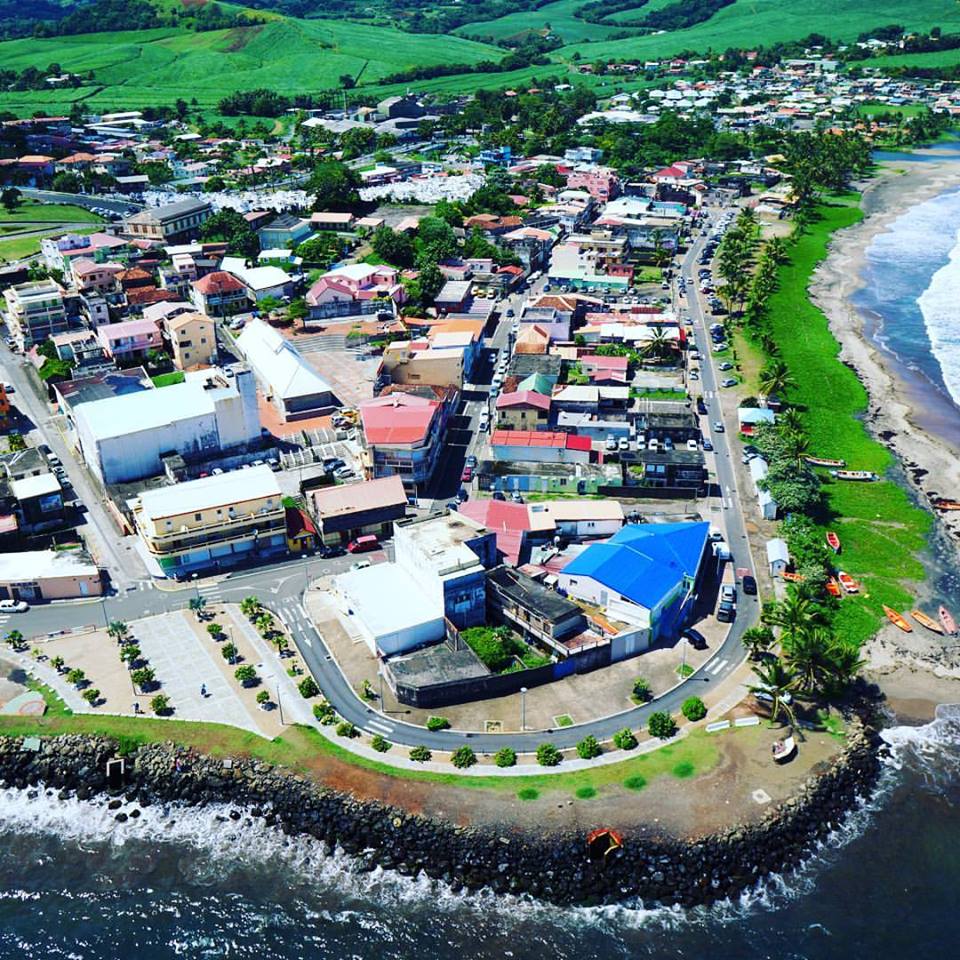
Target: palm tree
{"x": 197, "y": 604}
{"x": 795, "y": 614}
{"x": 758, "y": 640}
{"x": 790, "y": 421}
{"x": 808, "y": 659}
{"x": 775, "y": 378}
{"x": 776, "y": 250}
{"x": 249, "y": 606}
{"x": 796, "y": 447}
{"x": 777, "y": 681}
{"x": 659, "y": 346}
{"x": 844, "y": 663}
{"x": 117, "y": 629}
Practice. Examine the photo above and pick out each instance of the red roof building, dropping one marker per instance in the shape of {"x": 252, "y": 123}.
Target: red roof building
{"x": 540, "y": 445}
{"x": 510, "y": 522}
{"x": 403, "y": 435}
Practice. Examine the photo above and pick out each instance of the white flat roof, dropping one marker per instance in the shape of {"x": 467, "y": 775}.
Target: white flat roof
{"x": 209, "y": 492}
{"x": 387, "y": 599}
{"x": 35, "y": 486}
{"x": 45, "y": 564}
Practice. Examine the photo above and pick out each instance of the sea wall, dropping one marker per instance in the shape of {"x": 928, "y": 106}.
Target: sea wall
{"x": 554, "y": 867}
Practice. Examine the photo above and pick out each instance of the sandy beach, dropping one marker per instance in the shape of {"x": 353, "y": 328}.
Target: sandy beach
{"x": 921, "y": 669}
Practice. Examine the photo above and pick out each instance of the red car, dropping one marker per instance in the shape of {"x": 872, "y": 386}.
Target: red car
{"x": 467, "y": 475}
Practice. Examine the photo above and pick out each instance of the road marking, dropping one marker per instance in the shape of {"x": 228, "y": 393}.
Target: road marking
{"x": 715, "y": 668}
{"x": 381, "y": 727}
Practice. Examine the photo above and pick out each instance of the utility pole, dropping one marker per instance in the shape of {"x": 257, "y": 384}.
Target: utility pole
{"x": 523, "y": 709}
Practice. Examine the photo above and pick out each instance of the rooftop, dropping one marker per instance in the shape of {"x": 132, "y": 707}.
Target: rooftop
{"x": 278, "y": 361}
{"x": 539, "y": 438}
{"x": 356, "y": 497}
{"x": 207, "y": 493}
{"x": 36, "y": 486}
{"x": 398, "y": 418}
{"x": 45, "y": 564}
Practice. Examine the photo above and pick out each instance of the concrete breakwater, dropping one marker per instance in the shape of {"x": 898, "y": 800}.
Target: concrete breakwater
{"x": 554, "y": 867}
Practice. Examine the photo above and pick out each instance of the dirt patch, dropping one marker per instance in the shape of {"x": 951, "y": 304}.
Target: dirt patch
{"x": 239, "y": 37}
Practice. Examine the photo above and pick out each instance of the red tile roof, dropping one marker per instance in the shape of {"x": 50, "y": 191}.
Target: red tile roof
{"x": 218, "y": 282}
{"x": 522, "y": 398}
{"x": 398, "y": 419}
{"x": 539, "y": 438}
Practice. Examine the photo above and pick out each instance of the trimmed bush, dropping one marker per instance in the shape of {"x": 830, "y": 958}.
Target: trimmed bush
{"x": 463, "y": 757}
{"x": 694, "y": 709}
{"x": 438, "y": 723}
{"x": 322, "y": 710}
{"x": 143, "y": 677}
{"x": 505, "y": 757}
{"x": 215, "y": 630}
{"x": 380, "y": 744}
{"x": 246, "y": 675}
{"x": 642, "y": 690}
{"x": 91, "y": 695}
{"x": 263, "y": 698}
{"x": 420, "y": 754}
{"x": 661, "y": 725}
{"x": 588, "y": 748}
{"x": 160, "y": 704}
{"x": 229, "y": 652}
{"x": 346, "y": 729}
{"x": 76, "y": 676}
{"x": 624, "y": 739}
{"x": 308, "y": 688}
{"x": 548, "y": 755}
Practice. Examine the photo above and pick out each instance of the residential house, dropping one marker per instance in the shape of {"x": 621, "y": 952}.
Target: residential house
{"x": 84, "y": 350}
{"x": 523, "y": 410}
{"x": 758, "y": 474}
{"x": 35, "y": 575}
{"x": 193, "y": 340}
{"x": 510, "y": 523}
{"x": 602, "y": 183}
{"x": 673, "y": 468}
{"x": 129, "y": 342}
{"x": 575, "y": 519}
{"x": 354, "y": 289}
{"x": 92, "y": 277}
{"x": 749, "y": 418}
{"x": 219, "y": 294}
{"x": 260, "y": 282}
{"x": 284, "y": 232}
{"x": 347, "y": 511}
{"x": 539, "y": 446}
{"x": 180, "y": 220}
{"x": 58, "y": 252}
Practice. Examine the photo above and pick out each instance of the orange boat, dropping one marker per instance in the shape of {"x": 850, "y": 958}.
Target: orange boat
{"x": 947, "y": 504}
{"x": 833, "y": 541}
{"x": 897, "y": 620}
{"x": 602, "y": 841}
{"x": 833, "y": 588}
{"x": 848, "y": 583}
{"x": 926, "y": 621}
{"x": 947, "y": 622}
{"x": 793, "y": 577}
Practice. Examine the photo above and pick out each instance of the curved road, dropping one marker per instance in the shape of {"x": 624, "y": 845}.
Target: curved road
{"x": 282, "y": 586}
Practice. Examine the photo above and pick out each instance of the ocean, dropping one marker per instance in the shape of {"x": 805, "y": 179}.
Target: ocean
{"x": 196, "y": 884}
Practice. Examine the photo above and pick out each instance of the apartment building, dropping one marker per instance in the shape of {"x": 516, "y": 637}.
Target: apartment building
{"x": 193, "y": 340}
{"x": 35, "y": 312}
{"x": 212, "y": 523}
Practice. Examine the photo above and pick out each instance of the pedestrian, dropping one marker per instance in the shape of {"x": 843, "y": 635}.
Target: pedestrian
{"x": 203, "y": 690}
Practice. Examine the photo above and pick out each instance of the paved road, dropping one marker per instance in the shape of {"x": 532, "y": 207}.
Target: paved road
{"x": 88, "y": 200}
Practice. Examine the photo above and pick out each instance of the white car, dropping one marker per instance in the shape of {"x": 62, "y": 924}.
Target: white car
{"x": 691, "y": 444}
{"x": 14, "y": 606}
{"x": 623, "y": 444}
{"x": 360, "y": 565}
{"x": 611, "y": 443}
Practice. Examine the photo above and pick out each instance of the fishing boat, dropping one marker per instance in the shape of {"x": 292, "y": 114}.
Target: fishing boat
{"x": 825, "y": 462}
{"x": 833, "y": 588}
{"x": 926, "y": 621}
{"x": 897, "y": 620}
{"x": 947, "y": 622}
{"x": 793, "y": 577}
{"x": 784, "y": 749}
{"x": 848, "y": 583}
{"x": 833, "y": 541}
{"x": 861, "y": 475}
{"x": 946, "y": 505}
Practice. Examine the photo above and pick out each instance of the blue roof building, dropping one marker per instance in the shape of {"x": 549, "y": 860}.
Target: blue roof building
{"x": 643, "y": 575}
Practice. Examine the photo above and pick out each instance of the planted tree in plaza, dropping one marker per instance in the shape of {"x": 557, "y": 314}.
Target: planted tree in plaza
{"x": 263, "y": 698}
{"x": 548, "y": 755}
{"x": 324, "y": 712}
{"x": 143, "y": 677}
{"x": 246, "y": 675}
{"x": 229, "y": 652}
{"x": 380, "y": 744}
{"x": 117, "y": 629}
{"x": 215, "y": 630}
{"x": 661, "y": 725}
{"x": 15, "y": 639}
{"x": 76, "y": 676}
{"x": 642, "y": 692}
{"x": 776, "y": 683}
{"x": 197, "y": 605}
{"x": 129, "y": 653}
{"x": 58, "y": 663}
{"x": 437, "y": 723}
{"x": 91, "y": 695}
{"x": 250, "y": 607}
{"x": 264, "y": 624}
{"x": 346, "y": 729}
{"x": 758, "y": 641}
{"x": 160, "y": 704}
{"x": 308, "y": 688}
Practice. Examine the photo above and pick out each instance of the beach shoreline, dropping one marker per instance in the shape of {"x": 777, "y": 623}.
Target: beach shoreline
{"x": 931, "y": 463}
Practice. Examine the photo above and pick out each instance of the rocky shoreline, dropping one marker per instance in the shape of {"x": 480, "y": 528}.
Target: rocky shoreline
{"x": 553, "y": 867}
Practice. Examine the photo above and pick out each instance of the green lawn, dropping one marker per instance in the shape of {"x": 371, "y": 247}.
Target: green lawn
{"x": 30, "y": 211}
{"x": 880, "y": 528}
{"x": 168, "y": 379}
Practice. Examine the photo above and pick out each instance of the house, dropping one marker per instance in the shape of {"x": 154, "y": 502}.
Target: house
{"x": 778, "y": 556}
{"x": 329, "y": 220}
{"x": 673, "y": 468}
{"x": 522, "y": 410}
{"x": 285, "y": 378}
{"x": 5, "y": 408}
{"x": 403, "y": 436}
{"x": 123, "y": 437}
{"x": 605, "y": 371}
{"x": 749, "y": 418}
{"x": 510, "y": 523}
{"x": 48, "y": 575}
{"x": 58, "y": 252}
{"x": 219, "y": 294}
{"x": 598, "y": 401}
{"x": 678, "y": 425}
{"x": 532, "y": 339}
{"x": 348, "y": 511}
{"x": 575, "y": 519}
{"x": 526, "y": 364}
{"x": 284, "y": 232}
{"x": 35, "y": 311}
{"x": 84, "y": 350}
{"x": 39, "y": 501}
{"x": 90, "y": 276}
{"x": 180, "y": 220}
{"x": 193, "y": 340}
{"x": 644, "y": 576}
{"x": 434, "y": 361}
{"x": 758, "y": 474}
{"x": 130, "y": 341}
{"x": 354, "y": 289}
{"x": 540, "y": 446}
{"x": 212, "y": 523}
{"x": 602, "y": 183}
{"x": 453, "y": 296}
{"x": 260, "y": 282}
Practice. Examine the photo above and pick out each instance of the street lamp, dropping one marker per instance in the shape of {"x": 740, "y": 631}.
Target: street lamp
{"x": 523, "y": 709}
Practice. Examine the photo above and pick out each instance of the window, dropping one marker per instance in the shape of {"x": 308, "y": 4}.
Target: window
{"x": 197, "y": 516}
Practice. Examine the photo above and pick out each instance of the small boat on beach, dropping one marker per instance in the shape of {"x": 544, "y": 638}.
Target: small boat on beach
{"x": 861, "y": 475}
{"x": 946, "y": 505}
{"x": 848, "y": 583}
{"x": 926, "y": 621}
{"x": 793, "y": 577}
{"x": 947, "y": 622}
{"x": 897, "y": 620}
{"x": 784, "y": 749}
{"x": 833, "y": 588}
{"x": 825, "y": 462}
{"x": 833, "y": 541}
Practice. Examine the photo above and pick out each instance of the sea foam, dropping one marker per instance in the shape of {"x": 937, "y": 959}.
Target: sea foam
{"x": 940, "y": 306}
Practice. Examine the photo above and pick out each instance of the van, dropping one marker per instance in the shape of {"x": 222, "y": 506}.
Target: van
{"x": 363, "y": 544}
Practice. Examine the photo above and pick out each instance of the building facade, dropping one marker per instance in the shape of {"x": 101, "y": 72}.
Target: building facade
{"x": 35, "y": 311}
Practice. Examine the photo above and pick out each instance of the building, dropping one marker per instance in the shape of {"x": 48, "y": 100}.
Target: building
{"x": 260, "y": 282}
{"x": 644, "y": 576}
{"x": 510, "y": 523}
{"x": 673, "y": 468}
{"x": 219, "y": 294}
{"x": 214, "y": 522}
{"x": 353, "y": 289}
{"x": 348, "y": 511}
{"x": 48, "y": 575}
{"x": 35, "y": 311}
{"x": 173, "y": 221}
{"x": 5, "y": 407}
{"x": 123, "y": 438}
{"x": 284, "y": 232}
{"x": 285, "y": 378}
{"x": 39, "y": 501}
{"x": 523, "y": 410}
{"x": 193, "y": 340}
{"x": 130, "y": 341}
{"x": 403, "y": 436}
{"x": 575, "y": 519}
{"x": 778, "y": 556}
{"x": 540, "y": 446}
{"x": 758, "y": 474}
{"x": 749, "y": 418}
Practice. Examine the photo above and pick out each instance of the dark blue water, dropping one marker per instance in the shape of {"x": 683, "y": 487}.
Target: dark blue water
{"x": 183, "y": 884}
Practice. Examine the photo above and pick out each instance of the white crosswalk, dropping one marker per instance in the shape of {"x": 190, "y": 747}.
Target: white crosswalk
{"x": 378, "y": 727}
{"x": 715, "y": 668}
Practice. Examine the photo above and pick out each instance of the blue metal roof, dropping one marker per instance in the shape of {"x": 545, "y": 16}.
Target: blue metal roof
{"x": 644, "y": 562}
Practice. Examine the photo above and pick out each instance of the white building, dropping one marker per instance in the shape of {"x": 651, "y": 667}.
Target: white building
{"x": 758, "y": 473}
{"x": 123, "y": 438}
{"x": 261, "y": 282}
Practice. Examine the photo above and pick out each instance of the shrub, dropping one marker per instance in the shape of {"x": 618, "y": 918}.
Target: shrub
{"x": 437, "y": 723}
{"x": 528, "y": 793}
{"x": 346, "y": 729}
{"x": 624, "y": 739}
{"x": 130, "y": 653}
{"x": 57, "y": 663}
{"x": 76, "y": 677}
{"x": 661, "y": 725}
{"x": 143, "y": 677}
{"x": 380, "y": 744}
{"x": 420, "y": 754}
{"x": 229, "y": 652}
{"x": 308, "y": 688}
{"x": 91, "y": 695}
{"x": 215, "y": 630}
{"x": 463, "y": 757}
{"x": 245, "y": 675}
{"x": 588, "y": 748}
{"x": 642, "y": 690}
{"x": 494, "y": 646}
{"x": 322, "y": 710}
{"x": 694, "y": 709}
{"x": 160, "y": 704}
{"x": 505, "y": 757}
{"x": 585, "y": 793}
{"x": 263, "y": 698}
{"x": 548, "y": 755}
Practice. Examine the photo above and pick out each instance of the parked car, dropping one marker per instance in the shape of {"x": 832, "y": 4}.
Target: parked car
{"x": 484, "y": 421}
{"x": 692, "y": 444}
{"x": 467, "y": 475}
{"x": 623, "y": 444}
{"x": 516, "y": 496}
{"x": 611, "y": 443}
{"x": 726, "y": 612}
{"x": 728, "y": 593}
{"x": 363, "y": 544}
{"x": 498, "y": 495}
{"x": 726, "y": 365}
{"x": 360, "y": 565}
{"x": 701, "y": 406}
{"x": 718, "y": 426}
{"x": 749, "y": 585}
{"x": 728, "y": 382}
{"x": 462, "y": 495}
{"x": 333, "y": 550}
{"x": 707, "y": 445}
{"x": 14, "y": 606}
{"x": 471, "y": 461}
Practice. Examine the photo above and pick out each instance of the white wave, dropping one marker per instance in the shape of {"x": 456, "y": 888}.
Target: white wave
{"x": 932, "y": 750}
{"x": 939, "y": 305}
